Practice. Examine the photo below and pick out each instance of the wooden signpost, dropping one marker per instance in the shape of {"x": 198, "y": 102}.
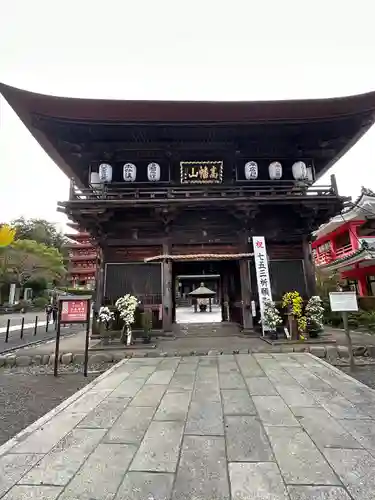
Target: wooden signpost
{"x": 73, "y": 310}
{"x": 345, "y": 302}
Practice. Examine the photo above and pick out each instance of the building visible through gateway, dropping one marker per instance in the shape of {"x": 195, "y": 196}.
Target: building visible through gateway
{"x": 174, "y": 192}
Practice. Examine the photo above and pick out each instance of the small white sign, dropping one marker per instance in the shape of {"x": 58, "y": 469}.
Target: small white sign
{"x": 343, "y": 301}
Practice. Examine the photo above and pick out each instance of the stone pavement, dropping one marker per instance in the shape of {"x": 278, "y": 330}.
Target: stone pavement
{"x": 260, "y": 427}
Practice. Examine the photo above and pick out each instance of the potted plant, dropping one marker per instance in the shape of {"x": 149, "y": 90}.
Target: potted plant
{"x": 271, "y": 318}
{"x": 146, "y": 321}
{"x": 105, "y": 317}
{"x": 293, "y": 303}
{"x": 126, "y": 306}
{"x": 314, "y": 316}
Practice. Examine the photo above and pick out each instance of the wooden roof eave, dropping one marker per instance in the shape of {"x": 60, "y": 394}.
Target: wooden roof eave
{"x": 187, "y": 111}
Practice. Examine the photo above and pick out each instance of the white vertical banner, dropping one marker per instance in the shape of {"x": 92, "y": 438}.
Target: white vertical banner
{"x": 263, "y": 275}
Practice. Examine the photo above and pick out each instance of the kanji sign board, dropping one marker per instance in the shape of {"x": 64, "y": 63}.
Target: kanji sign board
{"x": 263, "y": 275}
{"x": 74, "y": 311}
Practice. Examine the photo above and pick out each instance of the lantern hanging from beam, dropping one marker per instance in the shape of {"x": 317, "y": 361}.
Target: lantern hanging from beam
{"x": 275, "y": 171}
{"x": 299, "y": 171}
{"x": 129, "y": 172}
{"x": 105, "y": 172}
{"x": 251, "y": 170}
{"x": 153, "y": 172}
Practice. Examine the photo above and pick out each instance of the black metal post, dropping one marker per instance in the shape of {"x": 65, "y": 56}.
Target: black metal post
{"x": 36, "y": 325}
{"x": 57, "y": 345}
{"x": 22, "y": 325}
{"x": 87, "y": 340}
{"x": 47, "y": 322}
{"x": 7, "y": 332}
{"x": 345, "y": 318}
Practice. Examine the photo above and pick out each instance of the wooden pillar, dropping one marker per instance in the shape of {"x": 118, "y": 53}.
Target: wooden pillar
{"x": 247, "y": 318}
{"x": 99, "y": 293}
{"x": 167, "y": 290}
{"x": 309, "y": 268}
{"x": 99, "y": 283}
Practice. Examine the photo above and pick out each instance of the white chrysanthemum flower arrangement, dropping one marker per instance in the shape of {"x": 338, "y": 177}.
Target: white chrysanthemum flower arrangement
{"x": 127, "y": 306}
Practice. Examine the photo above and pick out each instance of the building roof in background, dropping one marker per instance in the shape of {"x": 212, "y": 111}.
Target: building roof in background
{"x": 361, "y": 209}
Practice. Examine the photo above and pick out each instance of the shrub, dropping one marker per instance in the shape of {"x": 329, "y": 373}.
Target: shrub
{"x": 40, "y": 302}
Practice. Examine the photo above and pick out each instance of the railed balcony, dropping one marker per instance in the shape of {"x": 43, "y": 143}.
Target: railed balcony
{"x": 328, "y": 257}
{"x": 81, "y": 269}
{"x": 82, "y": 257}
{"x": 254, "y": 189}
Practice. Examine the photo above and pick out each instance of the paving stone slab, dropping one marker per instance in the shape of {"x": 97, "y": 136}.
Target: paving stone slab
{"x": 363, "y": 431}
{"x": 260, "y": 386}
{"x": 228, "y": 366}
{"x": 33, "y": 493}
{"x": 174, "y": 406}
{"x": 237, "y": 402}
{"x": 295, "y": 395}
{"x": 162, "y": 377}
{"x": 146, "y": 486}
{"x": 273, "y": 411}
{"x": 299, "y": 459}
{"x": 246, "y": 440}
{"x": 202, "y": 472}
{"x": 160, "y": 447}
{"x": 317, "y": 493}
{"x": 205, "y": 418}
{"x": 231, "y": 380}
{"x": 260, "y": 481}
{"x": 149, "y": 395}
{"x": 207, "y": 391}
{"x": 88, "y": 401}
{"x": 339, "y": 407}
{"x": 131, "y": 426}
{"x": 46, "y": 437}
{"x": 324, "y": 430}
{"x": 182, "y": 382}
{"x": 356, "y": 469}
{"x": 59, "y": 466}
{"x": 105, "y": 414}
{"x": 128, "y": 388}
{"x": 109, "y": 462}
{"x": 13, "y": 467}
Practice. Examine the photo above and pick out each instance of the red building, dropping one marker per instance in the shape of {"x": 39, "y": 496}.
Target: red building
{"x": 346, "y": 245}
{"x": 82, "y": 259}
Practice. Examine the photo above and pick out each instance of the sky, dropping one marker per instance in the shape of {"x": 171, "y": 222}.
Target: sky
{"x": 164, "y": 49}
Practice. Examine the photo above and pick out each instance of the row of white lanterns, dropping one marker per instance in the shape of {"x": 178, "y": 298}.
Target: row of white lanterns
{"x": 275, "y": 170}
{"x": 129, "y": 171}
{"x": 299, "y": 169}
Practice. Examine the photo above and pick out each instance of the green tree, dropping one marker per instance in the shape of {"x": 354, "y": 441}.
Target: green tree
{"x": 28, "y": 260}
{"x": 39, "y": 230}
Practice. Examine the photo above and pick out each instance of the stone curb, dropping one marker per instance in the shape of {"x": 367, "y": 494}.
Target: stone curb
{"x": 329, "y": 352}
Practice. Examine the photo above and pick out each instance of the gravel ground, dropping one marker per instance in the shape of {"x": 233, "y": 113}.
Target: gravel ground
{"x": 363, "y": 373}
{"x": 26, "y": 394}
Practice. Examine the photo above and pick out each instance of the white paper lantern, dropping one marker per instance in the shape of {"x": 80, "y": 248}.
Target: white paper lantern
{"x": 251, "y": 170}
{"x": 275, "y": 171}
{"x": 299, "y": 170}
{"x": 129, "y": 172}
{"x": 153, "y": 172}
{"x": 105, "y": 172}
{"x": 94, "y": 179}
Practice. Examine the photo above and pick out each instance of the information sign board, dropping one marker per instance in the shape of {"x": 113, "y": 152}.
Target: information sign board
{"x": 343, "y": 301}
{"x": 74, "y": 311}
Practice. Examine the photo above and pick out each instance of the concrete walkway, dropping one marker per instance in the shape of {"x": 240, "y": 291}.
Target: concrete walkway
{"x": 259, "y": 427}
